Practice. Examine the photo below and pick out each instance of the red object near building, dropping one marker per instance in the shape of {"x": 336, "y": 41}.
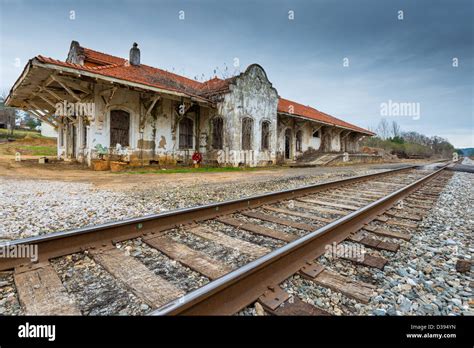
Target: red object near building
{"x": 197, "y": 157}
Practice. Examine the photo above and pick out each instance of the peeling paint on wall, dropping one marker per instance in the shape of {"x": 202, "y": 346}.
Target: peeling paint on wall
{"x": 162, "y": 143}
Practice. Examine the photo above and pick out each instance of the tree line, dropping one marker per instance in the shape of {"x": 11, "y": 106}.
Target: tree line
{"x": 391, "y": 138}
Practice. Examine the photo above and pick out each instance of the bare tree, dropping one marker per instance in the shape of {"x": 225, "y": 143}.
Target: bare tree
{"x": 383, "y": 129}
{"x": 395, "y": 129}
{"x": 416, "y": 138}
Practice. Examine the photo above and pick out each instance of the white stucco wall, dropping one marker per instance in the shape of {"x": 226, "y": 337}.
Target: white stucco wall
{"x": 251, "y": 95}
{"x": 48, "y": 131}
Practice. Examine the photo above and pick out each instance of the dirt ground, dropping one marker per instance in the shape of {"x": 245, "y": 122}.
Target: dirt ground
{"x": 73, "y": 172}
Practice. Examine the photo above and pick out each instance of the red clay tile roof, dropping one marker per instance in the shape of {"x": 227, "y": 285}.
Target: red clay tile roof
{"x": 216, "y": 86}
{"x": 290, "y": 107}
{"x": 139, "y": 74}
{"x": 119, "y": 68}
{"x": 102, "y": 58}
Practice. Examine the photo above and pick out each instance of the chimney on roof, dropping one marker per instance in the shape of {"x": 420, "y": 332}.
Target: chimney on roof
{"x": 76, "y": 54}
{"x": 135, "y": 55}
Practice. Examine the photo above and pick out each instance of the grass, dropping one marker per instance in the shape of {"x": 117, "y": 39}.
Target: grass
{"x": 28, "y": 143}
{"x": 20, "y": 134}
{"x": 36, "y": 150}
{"x": 197, "y": 170}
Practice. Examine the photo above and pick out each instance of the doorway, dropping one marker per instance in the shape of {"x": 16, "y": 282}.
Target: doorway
{"x": 119, "y": 128}
{"x": 288, "y": 144}
{"x": 71, "y": 139}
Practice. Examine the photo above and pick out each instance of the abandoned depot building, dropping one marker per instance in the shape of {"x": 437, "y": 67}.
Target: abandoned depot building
{"x": 106, "y": 106}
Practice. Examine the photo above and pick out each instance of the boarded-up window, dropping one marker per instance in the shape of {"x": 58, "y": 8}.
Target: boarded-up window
{"x": 217, "y": 133}
{"x": 247, "y": 129}
{"x": 119, "y": 128}
{"x": 265, "y": 135}
{"x": 186, "y": 126}
{"x": 299, "y": 141}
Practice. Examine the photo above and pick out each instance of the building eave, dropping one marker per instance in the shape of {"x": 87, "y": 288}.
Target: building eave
{"x": 84, "y": 72}
{"x": 324, "y": 123}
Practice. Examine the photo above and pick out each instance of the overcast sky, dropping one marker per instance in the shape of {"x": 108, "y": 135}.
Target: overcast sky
{"x": 405, "y": 61}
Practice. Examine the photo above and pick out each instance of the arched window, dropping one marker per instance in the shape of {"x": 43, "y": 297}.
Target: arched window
{"x": 299, "y": 141}
{"x": 247, "y": 129}
{"x": 265, "y": 135}
{"x": 186, "y": 131}
{"x": 119, "y": 128}
{"x": 217, "y": 133}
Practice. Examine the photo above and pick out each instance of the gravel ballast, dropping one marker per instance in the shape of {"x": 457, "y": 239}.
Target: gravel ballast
{"x": 421, "y": 278}
{"x": 96, "y": 291}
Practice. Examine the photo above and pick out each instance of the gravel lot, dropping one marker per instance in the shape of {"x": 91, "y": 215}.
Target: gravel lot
{"x": 34, "y": 207}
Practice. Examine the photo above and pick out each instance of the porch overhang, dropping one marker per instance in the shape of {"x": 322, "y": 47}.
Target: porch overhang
{"x": 42, "y": 85}
{"x": 322, "y": 123}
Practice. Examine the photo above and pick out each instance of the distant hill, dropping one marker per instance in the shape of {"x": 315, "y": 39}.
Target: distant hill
{"x": 468, "y": 151}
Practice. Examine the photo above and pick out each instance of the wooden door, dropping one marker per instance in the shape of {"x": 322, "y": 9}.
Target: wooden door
{"x": 119, "y": 128}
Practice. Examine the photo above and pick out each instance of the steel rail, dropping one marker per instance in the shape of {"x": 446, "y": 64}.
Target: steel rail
{"x": 239, "y": 288}
{"x": 62, "y": 243}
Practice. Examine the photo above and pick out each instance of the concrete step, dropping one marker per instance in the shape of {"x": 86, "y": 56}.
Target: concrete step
{"x": 321, "y": 160}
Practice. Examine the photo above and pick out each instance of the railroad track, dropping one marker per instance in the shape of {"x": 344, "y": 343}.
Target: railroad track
{"x": 220, "y": 258}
